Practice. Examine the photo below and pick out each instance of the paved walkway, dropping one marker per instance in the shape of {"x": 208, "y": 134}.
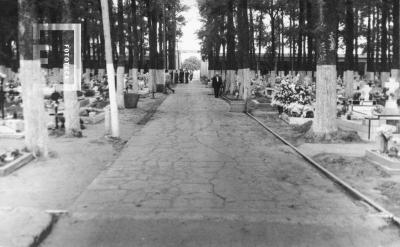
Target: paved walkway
{"x": 198, "y": 175}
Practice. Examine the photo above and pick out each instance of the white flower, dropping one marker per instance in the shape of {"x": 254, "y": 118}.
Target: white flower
{"x": 386, "y": 130}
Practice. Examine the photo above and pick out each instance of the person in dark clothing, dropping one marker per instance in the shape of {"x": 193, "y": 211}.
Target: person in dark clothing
{"x": 175, "y": 77}
{"x": 216, "y": 84}
{"x": 181, "y": 76}
{"x": 186, "y": 76}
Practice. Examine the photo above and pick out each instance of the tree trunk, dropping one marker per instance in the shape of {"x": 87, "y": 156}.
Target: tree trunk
{"x": 349, "y": 57}
{"x": 377, "y": 42}
{"x": 243, "y": 33}
{"x": 152, "y": 25}
{"x": 172, "y": 40}
{"x": 36, "y": 136}
{"x": 110, "y": 69}
{"x": 300, "y": 36}
{"x": 396, "y": 40}
{"x": 325, "y": 113}
{"x": 310, "y": 39}
{"x": 231, "y": 58}
{"x": 72, "y": 119}
{"x": 121, "y": 57}
{"x": 384, "y": 40}
{"x": 385, "y": 75}
{"x": 370, "y": 52}
{"x": 356, "y": 36}
{"x": 135, "y": 45}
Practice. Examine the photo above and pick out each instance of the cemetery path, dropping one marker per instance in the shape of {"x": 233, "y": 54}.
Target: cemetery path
{"x": 198, "y": 175}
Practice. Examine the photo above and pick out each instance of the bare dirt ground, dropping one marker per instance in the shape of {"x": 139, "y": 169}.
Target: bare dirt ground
{"x": 366, "y": 177}
{"x": 363, "y": 175}
{"x": 56, "y": 182}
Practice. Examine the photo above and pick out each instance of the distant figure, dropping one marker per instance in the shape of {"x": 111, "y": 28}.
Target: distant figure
{"x": 168, "y": 80}
{"x": 181, "y": 76}
{"x": 186, "y": 76}
{"x": 216, "y": 84}
{"x": 191, "y": 75}
{"x": 176, "y": 77}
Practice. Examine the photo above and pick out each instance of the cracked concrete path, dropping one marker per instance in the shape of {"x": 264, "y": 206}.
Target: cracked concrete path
{"x": 198, "y": 175}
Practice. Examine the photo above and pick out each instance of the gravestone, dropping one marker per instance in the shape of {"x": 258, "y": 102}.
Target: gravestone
{"x": 391, "y": 107}
{"x": 365, "y": 91}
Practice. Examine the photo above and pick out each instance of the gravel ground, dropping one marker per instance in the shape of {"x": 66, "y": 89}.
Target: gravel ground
{"x": 363, "y": 175}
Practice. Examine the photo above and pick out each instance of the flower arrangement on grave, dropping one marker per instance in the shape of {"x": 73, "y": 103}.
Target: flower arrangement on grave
{"x": 9, "y": 156}
{"x": 385, "y": 134}
{"x": 294, "y": 97}
{"x": 378, "y": 95}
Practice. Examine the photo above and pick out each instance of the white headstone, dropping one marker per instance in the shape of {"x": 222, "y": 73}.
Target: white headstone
{"x": 365, "y": 91}
{"x": 391, "y": 103}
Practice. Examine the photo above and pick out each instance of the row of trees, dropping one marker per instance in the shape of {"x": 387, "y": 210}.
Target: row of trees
{"x": 280, "y": 28}
{"x": 113, "y": 37}
{"x": 236, "y": 33}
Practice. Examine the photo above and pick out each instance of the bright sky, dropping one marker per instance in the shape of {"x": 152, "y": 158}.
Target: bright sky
{"x": 189, "y": 40}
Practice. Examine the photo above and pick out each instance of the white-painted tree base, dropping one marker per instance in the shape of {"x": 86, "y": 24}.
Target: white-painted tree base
{"x": 385, "y": 76}
{"x": 152, "y": 81}
{"x": 348, "y": 79}
{"x": 370, "y": 76}
{"x": 244, "y": 80}
{"x": 325, "y": 107}
{"x": 230, "y": 80}
{"x": 33, "y": 81}
{"x": 211, "y": 73}
{"x": 86, "y": 78}
{"x": 395, "y": 73}
{"x": 101, "y": 73}
{"x": 120, "y": 87}
{"x": 160, "y": 77}
{"x": 135, "y": 82}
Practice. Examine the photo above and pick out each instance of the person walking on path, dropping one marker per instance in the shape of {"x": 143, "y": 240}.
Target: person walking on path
{"x": 168, "y": 81}
{"x": 216, "y": 84}
{"x": 176, "y": 77}
{"x": 181, "y": 76}
{"x": 186, "y": 76}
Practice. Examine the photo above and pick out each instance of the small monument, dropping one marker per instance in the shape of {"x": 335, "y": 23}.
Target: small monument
{"x": 391, "y": 107}
{"x": 365, "y": 91}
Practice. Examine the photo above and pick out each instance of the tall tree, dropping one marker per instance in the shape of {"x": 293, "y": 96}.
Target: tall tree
{"x": 243, "y": 48}
{"x": 300, "y": 37}
{"x": 72, "y": 120}
{"x": 114, "y": 121}
{"x": 134, "y": 48}
{"x": 384, "y": 40}
{"x": 36, "y": 136}
{"x": 230, "y": 38}
{"x": 325, "y": 112}
{"x": 152, "y": 26}
{"x": 396, "y": 40}
{"x": 310, "y": 36}
{"x": 349, "y": 56}
{"x": 121, "y": 56}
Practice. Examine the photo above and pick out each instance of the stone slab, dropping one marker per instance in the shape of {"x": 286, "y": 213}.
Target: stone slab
{"x": 16, "y": 164}
{"x": 23, "y": 227}
{"x": 94, "y": 119}
{"x": 389, "y": 164}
